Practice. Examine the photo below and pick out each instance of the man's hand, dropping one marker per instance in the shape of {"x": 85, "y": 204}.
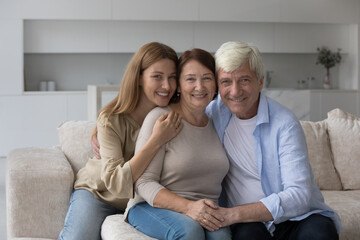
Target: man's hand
{"x": 252, "y": 212}
{"x": 208, "y": 217}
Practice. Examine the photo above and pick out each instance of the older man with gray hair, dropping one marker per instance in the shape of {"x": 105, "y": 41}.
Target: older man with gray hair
{"x": 270, "y": 191}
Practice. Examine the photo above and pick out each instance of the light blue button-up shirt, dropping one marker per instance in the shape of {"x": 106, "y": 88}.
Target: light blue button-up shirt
{"x": 281, "y": 155}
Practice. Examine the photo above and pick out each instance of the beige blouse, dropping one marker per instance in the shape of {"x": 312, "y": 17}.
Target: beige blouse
{"x": 110, "y": 178}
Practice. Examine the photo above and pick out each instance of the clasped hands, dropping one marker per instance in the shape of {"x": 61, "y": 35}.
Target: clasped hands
{"x": 209, "y": 215}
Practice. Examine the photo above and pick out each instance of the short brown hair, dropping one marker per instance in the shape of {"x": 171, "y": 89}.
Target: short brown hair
{"x": 197, "y": 54}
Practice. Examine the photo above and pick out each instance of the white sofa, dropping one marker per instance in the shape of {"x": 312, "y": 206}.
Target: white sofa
{"x": 39, "y": 180}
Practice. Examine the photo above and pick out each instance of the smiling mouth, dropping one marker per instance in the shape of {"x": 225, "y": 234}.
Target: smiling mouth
{"x": 162, "y": 94}
{"x": 199, "y": 95}
{"x": 237, "y": 99}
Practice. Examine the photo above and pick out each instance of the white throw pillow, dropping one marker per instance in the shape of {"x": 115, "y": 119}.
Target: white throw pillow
{"x": 320, "y": 156}
{"x": 75, "y": 142}
{"x": 344, "y": 133}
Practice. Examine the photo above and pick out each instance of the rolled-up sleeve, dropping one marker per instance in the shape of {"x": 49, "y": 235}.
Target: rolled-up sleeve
{"x": 292, "y": 197}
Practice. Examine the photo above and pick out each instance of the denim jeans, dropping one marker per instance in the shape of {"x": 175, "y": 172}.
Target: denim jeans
{"x": 166, "y": 224}
{"x": 85, "y": 216}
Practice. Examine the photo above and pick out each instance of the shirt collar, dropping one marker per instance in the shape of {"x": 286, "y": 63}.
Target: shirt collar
{"x": 263, "y": 110}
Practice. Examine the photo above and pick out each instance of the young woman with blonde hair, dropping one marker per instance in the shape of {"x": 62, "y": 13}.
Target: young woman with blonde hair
{"x": 103, "y": 187}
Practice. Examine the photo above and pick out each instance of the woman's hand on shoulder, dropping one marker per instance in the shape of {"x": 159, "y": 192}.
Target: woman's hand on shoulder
{"x": 208, "y": 217}
{"x": 166, "y": 127}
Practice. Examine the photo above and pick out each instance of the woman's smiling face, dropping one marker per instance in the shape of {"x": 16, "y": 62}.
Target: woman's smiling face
{"x": 159, "y": 82}
{"x": 197, "y": 85}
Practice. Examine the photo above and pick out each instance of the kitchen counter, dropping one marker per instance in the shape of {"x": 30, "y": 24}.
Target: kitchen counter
{"x": 313, "y": 104}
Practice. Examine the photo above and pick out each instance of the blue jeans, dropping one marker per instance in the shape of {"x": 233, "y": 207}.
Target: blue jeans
{"x": 85, "y": 216}
{"x": 166, "y": 224}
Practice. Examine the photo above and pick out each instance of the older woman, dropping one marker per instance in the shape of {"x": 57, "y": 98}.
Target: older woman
{"x": 188, "y": 170}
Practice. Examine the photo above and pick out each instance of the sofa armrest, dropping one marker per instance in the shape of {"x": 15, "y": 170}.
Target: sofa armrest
{"x": 39, "y": 182}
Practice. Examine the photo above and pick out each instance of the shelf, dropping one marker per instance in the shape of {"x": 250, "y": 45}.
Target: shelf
{"x": 30, "y": 93}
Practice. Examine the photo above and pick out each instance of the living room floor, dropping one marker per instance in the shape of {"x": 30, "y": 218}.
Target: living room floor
{"x": 2, "y": 198}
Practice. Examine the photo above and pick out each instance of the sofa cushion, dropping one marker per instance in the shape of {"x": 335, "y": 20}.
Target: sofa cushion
{"x": 115, "y": 228}
{"x": 344, "y": 133}
{"x": 347, "y": 205}
{"x": 75, "y": 142}
{"x": 38, "y": 187}
{"x": 320, "y": 156}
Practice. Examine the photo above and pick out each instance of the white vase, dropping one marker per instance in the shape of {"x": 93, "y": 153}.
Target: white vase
{"x": 327, "y": 81}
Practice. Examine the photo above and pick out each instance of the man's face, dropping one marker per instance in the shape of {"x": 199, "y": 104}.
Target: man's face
{"x": 240, "y": 91}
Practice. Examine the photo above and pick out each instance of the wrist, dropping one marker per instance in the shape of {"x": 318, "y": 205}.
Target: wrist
{"x": 154, "y": 142}
{"x": 234, "y": 215}
{"x": 186, "y": 206}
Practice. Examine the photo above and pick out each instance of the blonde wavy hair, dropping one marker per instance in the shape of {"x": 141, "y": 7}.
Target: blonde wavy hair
{"x": 129, "y": 94}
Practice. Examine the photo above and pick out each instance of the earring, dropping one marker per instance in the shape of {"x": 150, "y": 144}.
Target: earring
{"x": 178, "y": 94}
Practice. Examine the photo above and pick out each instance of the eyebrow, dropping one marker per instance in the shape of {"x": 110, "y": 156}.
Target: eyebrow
{"x": 193, "y": 74}
{"x": 208, "y": 74}
{"x": 161, "y": 72}
{"x": 245, "y": 76}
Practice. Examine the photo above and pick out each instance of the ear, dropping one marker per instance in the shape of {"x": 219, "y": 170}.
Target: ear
{"x": 261, "y": 83}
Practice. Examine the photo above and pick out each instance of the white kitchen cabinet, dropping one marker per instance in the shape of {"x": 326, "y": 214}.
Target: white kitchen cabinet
{"x": 305, "y": 11}
{"x": 64, "y": 9}
{"x": 324, "y": 101}
{"x": 129, "y": 36}
{"x": 24, "y": 123}
{"x": 210, "y": 35}
{"x": 76, "y": 106}
{"x": 45, "y": 36}
{"x": 9, "y": 9}
{"x": 305, "y": 38}
{"x": 319, "y": 11}
{"x": 298, "y": 101}
{"x": 293, "y": 11}
{"x": 240, "y": 10}
{"x": 31, "y": 120}
{"x": 313, "y": 105}
{"x": 11, "y": 61}
{"x": 168, "y": 10}
{"x": 49, "y": 36}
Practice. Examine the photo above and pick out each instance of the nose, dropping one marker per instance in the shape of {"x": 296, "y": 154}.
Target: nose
{"x": 199, "y": 84}
{"x": 166, "y": 84}
{"x": 236, "y": 89}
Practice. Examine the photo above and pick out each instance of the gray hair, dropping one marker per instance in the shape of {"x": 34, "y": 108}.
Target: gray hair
{"x": 231, "y": 55}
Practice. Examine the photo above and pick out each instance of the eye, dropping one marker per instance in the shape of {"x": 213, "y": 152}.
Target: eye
{"x": 244, "y": 81}
{"x": 208, "y": 78}
{"x": 157, "y": 76}
{"x": 191, "y": 79}
{"x": 225, "y": 82}
{"x": 173, "y": 77}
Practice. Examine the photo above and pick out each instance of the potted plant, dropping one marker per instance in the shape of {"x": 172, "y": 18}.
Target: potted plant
{"x": 328, "y": 59}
